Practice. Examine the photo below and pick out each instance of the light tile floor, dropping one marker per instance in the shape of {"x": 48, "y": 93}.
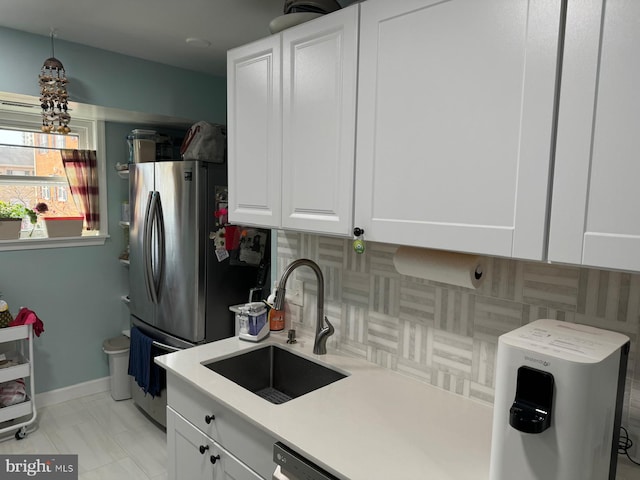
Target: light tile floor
{"x": 113, "y": 440}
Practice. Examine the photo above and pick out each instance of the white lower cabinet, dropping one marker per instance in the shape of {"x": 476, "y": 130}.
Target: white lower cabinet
{"x": 195, "y": 456}
{"x": 195, "y": 420}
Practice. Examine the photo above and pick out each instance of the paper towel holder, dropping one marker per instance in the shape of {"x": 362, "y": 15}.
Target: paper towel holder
{"x": 452, "y": 268}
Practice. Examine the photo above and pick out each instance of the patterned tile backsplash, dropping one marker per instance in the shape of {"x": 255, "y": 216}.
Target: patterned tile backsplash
{"x": 447, "y": 335}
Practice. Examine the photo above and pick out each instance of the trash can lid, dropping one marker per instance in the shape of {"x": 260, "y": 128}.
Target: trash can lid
{"x": 117, "y": 344}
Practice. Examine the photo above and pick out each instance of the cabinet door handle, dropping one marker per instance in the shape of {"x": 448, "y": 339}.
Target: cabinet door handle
{"x": 209, "y": 418}
{"x": 214, "y": 458}
{"x": 203, "y": 448}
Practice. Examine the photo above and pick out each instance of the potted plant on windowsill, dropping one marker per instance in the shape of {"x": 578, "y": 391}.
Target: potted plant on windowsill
{"x": 56, "y": 226}
{"x": 11, "y": 216}
{"x": 63, "y": 226}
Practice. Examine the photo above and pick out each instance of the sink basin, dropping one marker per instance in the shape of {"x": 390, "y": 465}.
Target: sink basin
{"x": 275, "y": 374}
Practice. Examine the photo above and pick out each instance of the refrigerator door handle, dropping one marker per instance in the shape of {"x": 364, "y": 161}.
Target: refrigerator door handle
{"x": 146, "y": 246}
{"x": 165, "y": 347}
{"x": 149, "y": 227}
{"x": 158, "y": 223}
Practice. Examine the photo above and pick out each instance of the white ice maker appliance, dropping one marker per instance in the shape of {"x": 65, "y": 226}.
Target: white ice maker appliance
{"x": 558, "y": 402}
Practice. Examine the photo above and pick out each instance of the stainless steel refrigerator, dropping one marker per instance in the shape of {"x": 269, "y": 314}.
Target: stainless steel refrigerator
{"x": 179, "y": 287}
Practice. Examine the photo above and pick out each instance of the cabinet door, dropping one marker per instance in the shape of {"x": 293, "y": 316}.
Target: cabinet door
{"x": 319, "y": 108}
{"x": 455, "y": 123}
{"x": 254, "y": 140}
{"x": 594, "y": 214}
{"x": 251, "y": 445}
{"x": 185, "y": 443}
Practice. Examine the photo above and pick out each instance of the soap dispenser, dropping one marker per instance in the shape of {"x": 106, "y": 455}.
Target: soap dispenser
{"x": 276, "y": 317}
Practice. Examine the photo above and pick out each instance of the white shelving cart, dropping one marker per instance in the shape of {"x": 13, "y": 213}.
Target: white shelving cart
{"x": 16, "y": 344}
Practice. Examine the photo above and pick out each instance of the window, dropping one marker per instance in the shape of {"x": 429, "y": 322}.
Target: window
{"x": 43, "y": 141}
{"x": 18, "y": 155}
{"x": 31, "y": 171}
{"x": 62, "y": 194}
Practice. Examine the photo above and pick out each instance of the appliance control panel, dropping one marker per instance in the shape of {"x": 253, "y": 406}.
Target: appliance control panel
{"x": 296, "y": 467}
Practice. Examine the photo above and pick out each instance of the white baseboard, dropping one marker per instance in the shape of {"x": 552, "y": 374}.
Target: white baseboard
{"x": 60, "y": 395}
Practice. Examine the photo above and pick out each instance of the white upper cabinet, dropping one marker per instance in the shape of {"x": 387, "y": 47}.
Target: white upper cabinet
{"x": 319, "y": 64}
{"x": 291, "y": 111}
{"x": 455, "y": 123}
{"x": 594, "y": 215}
{"x": 254, "y": 142}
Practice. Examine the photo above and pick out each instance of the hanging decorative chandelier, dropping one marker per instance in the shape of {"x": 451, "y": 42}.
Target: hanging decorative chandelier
{"x": 53, "y": 95}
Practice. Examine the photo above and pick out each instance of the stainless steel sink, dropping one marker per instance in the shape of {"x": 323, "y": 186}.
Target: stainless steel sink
{"x": 275, "y": 374}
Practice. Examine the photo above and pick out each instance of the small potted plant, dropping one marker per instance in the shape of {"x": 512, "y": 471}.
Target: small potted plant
{"x": 11, "y": 216}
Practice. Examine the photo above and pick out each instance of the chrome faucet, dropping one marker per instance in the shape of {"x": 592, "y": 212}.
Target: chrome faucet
{"x": 322, "y": 332}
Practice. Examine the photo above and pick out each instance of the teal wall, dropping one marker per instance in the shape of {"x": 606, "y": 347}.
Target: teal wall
{"x": 76, "y": 291}
{"x": 99, "y": 77}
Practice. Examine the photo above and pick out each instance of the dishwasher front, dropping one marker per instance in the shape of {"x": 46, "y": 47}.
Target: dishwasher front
{"x": 292, "y": 466}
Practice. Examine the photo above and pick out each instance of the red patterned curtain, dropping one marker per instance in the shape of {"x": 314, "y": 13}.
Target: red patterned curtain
{"x": 82, "y": 173}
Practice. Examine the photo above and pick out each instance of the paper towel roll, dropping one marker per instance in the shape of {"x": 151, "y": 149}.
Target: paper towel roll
{"x": 440, "y": 266}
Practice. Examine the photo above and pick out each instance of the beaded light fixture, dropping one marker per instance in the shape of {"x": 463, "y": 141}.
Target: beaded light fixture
{"x": 53, "y": 95}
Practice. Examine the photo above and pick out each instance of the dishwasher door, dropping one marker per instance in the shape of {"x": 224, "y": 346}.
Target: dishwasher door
{"x": 292, "y": 466}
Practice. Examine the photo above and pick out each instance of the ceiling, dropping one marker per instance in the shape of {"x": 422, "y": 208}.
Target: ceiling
{"x": 154, "y": 30}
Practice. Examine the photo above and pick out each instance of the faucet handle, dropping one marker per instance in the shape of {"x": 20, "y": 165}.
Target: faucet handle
{"x": 328, "y": 330}
{"x": 320, "y": 343}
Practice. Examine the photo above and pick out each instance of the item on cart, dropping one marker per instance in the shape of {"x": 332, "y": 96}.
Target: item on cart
{"x": 12, "y": 392}
{"x": 17, "y": 408}
{"x": 5, "y": 314}
{"x": 28, "y": 317}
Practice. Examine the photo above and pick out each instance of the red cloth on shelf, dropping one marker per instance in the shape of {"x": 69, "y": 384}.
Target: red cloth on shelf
{"x": 28, "y": 317}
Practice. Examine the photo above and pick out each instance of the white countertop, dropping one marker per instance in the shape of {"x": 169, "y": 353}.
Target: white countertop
{"x": 374, "y": 424}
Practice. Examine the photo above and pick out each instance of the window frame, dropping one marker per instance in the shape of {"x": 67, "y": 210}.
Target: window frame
{"x": 94, "y": 133}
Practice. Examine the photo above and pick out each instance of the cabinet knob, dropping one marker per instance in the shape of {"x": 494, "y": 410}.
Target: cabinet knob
{"x": 203, "y": 448}
{"x": 358, "y": 232}
{"x": 209, "y": 418}
{"x": 214, "y": 458}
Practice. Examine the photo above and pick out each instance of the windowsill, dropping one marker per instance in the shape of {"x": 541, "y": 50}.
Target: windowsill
{"x": 62, "y": 242}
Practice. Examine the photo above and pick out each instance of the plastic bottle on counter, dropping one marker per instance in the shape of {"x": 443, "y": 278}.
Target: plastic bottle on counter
{"x": 276, "y": 317}
{"x": 243, "y": 320}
